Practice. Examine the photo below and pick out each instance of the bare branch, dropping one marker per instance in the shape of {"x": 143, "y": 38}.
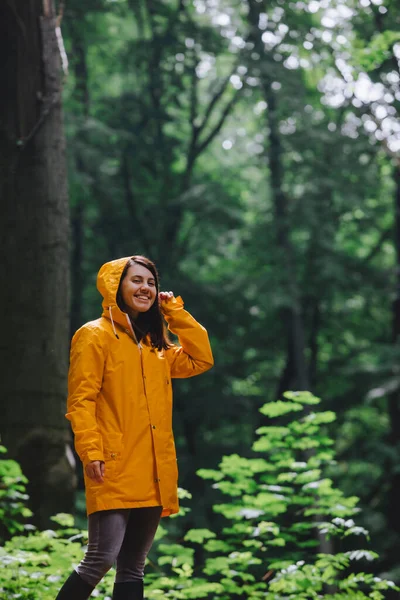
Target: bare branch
{"x": 385, "y": 235}
{"x": 60, "y": 15}
{"x": 130, "y": 201}
{"x": 193, "y": 97}
{"x": 196, "y": 149}
{"x": 214, "y": 100}
{"x": 218, "y": 127}
{"x": 48, "y": 105}
{"x": 47, "y": 8}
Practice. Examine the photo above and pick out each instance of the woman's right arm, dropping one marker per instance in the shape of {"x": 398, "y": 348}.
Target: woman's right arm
{"x": 84, "y": 384}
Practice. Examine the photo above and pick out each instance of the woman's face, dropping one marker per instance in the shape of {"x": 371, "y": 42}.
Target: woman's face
{"x": 138, "y": 290}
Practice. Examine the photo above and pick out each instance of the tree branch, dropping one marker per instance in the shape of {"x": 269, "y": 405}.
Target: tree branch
{"x": 214, "y": 100}
{"x": 60, "y": 15}
{"x": 220, "y": 123}
{"x": 385, "y": 235}
{"x": 130, "y": 202}
{"x": 48, "y": 105}
{"x": 47, "y": 8}
{"x": 193, "y": 98}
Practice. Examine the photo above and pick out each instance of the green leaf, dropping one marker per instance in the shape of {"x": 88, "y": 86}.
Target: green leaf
{"x": 362, "y": 554}
{"x": 218, "y": 546}
{"x": 63, "y": 519}
{"x": 279, "y": 408}
{"x": 198, "y": 535}
{"x": 210, "y": 474}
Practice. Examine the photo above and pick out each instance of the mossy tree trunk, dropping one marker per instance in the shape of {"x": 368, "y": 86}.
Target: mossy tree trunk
{"x": 34, "y": 271}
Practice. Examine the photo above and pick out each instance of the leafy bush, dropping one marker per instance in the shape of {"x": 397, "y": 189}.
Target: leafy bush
{"x": 13, "y": 497}
{"x": 289, "y": 533}
{"x": 36, "y": 565}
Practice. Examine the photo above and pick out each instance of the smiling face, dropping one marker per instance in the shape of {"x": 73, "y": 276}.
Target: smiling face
{"x": 138, "y": 290}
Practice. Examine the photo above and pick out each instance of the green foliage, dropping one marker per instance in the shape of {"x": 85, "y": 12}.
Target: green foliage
{"x": 36, "y": 564}
{"x": 280, "y": 503}
{"x": 286, "y": 507}
{"x": 184, "y": 135}
{"x": 378, "y": 50}
{"x": 198, "y": 535}
{"x": 13, "y": 497}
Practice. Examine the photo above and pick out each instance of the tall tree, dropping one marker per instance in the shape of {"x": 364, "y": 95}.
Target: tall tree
{"x": 295, "y": 374}
{"x": 34, "y": 274}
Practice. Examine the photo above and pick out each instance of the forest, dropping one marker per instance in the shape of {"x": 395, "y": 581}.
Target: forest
{"x": 251, "y": 149}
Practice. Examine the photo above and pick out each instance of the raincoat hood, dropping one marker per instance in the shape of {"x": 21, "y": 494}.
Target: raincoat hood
{"x": 108, "y": 280}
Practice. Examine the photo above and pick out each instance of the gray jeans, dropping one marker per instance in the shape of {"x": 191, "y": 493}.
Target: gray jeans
{"x": 122, "y": 536}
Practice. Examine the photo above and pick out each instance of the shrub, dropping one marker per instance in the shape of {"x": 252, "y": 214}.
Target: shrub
{"x": 13, "y": 497}
{"x": 289, "y": 533}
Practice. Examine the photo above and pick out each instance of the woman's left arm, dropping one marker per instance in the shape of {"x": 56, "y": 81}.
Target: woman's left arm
{"x": 194, "y": 355}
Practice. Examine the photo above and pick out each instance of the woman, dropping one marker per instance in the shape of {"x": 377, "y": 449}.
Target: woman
{"x": 120, "y": 408}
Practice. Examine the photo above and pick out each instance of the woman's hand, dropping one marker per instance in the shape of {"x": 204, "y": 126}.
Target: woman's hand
{"x": 96, "y": 470}
{"x": 165, "y": 296}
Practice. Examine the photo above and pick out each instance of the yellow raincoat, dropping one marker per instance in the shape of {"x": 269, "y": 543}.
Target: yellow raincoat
{"x": 120, "y": 400}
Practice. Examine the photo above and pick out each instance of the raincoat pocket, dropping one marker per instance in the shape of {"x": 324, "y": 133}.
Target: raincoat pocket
{"x": 112, "y": 444}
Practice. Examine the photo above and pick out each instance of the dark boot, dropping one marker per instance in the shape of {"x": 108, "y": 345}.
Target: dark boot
{"x": 75, "y": 588}
{"x": 128, "y": 590}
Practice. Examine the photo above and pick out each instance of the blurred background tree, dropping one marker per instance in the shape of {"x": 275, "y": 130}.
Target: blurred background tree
{"x": 251, "y": 149}
{"x": 34, "y": 273}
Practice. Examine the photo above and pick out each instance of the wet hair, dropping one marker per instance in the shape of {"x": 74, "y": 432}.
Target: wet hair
{"x": 148, "y": 326}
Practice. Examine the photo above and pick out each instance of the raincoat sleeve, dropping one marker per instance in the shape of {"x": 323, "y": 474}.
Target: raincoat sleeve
{"x": 193, "y": 355}
{"x": 84, "y": 383}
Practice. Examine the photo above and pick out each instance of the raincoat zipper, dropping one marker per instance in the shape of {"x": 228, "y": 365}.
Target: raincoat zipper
{"x": 152, "y": 426}
{"x": 139, "y": 345}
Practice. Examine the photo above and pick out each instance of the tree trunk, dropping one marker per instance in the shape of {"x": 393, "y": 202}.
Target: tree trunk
{"x": 81, "y": 93}
{"x": 34, "y": 272}
{"x": 296, "y": 372}
{"x": 295, "y": 375}
{"x": 394, "y": 398}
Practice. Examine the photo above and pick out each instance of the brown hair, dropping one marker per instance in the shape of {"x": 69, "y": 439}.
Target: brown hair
{"x": 149, "y": 324}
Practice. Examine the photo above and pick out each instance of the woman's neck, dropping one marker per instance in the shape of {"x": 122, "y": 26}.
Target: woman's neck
{"x": 133, "y": 315}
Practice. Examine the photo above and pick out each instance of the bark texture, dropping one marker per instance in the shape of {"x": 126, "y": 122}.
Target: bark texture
{"x": 34, "y": 271}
